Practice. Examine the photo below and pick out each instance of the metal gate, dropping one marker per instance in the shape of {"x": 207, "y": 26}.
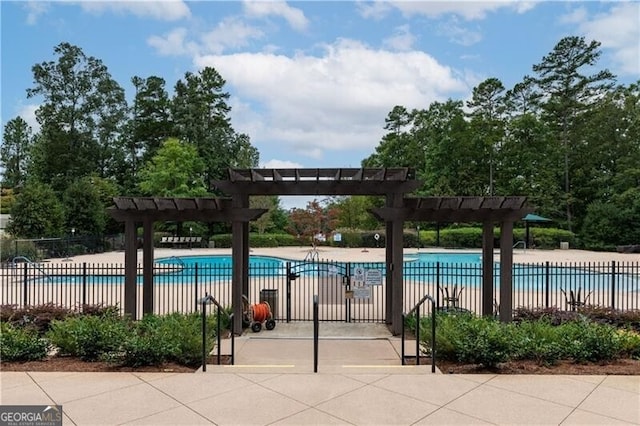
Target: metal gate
{"x": 339, "y": 299}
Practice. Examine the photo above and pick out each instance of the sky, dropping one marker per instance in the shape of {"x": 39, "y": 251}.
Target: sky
{"x": 311, "y": 82}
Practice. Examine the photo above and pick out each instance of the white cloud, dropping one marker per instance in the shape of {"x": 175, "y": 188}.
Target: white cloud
{"x": 281, "y": 164}
{"x": 617, "y": 30}
{"x": 34, "y": 10}
{"x": 469, "y": 10}
{"x": 294, "y": 16}
{"x": 28, "y": 114}
{"x": 577, "y": 15}
{"x": 373, "y": 9}
{"x": 173, "y": 43}
{"x": 401, "y": 40}
{"x": 165, "y": 10}
{"x": 459, "y": 34}
{"x": 229, "y": 33}
{"x": 336, "y": 101}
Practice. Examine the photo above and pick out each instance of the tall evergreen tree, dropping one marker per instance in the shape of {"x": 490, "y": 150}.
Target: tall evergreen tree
{"x": 81, "y": 117}
{"x": 200, "y": 117}
{"x": 487, "y": 108}
{"x": 567, "y": 93}
{"x": 14, "y": 153}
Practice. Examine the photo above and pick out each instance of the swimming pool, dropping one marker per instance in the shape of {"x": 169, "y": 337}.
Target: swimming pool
{"x": 444, "y": 268}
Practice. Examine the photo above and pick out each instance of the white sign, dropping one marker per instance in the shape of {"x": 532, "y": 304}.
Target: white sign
{"x": 337, "y": 237}
{"x": 373, "y": 277}
{"x": 361, "y": 292}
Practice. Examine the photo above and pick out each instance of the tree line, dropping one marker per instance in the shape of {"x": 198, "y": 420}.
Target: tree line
{"x": 92, "y": 144}
{"x": 566, "y": 136}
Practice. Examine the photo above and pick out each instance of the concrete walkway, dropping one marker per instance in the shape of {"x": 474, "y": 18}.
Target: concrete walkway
{"x": 359, "y": 381}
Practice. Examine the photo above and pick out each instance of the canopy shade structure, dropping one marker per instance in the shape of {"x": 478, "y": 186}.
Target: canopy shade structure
{"x": 532, "y": 218}
{"x": 535, "y": 218}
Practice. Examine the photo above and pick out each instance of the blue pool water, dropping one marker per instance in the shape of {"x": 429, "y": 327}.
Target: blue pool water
{"x": 220, "y": 261}
{"x": 445, "y": 267}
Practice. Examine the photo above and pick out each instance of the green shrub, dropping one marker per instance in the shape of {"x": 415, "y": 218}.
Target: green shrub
{"x": 221, "y": 240}
{"x": 539, "y": 341}
{"x": 484, "y": 341}
{"x": 629, "y": 343}
{"x": 550, "y": 238}
{"x": 586, "y": 341}
{"x": 10, "y": 248}
{"x": 149, "y": 344}
{"x": 461, "y": 237}
{"x": 186, "y": 329}
{"x": 89, "y": 337}
{"x": 21, "y": 344}
{"x": 428, "y": 238}
{"x": 350, "y": 239}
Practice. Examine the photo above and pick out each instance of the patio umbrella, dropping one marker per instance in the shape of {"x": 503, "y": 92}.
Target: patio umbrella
{"x": 532, "y": 218}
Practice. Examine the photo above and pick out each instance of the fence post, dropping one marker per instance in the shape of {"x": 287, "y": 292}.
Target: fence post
{"x": 348, "y": 287}
{"x": 195, "y": 285}
{"x": 438, "y": 283}
{"x": 546, "y": 284}
{"x": 613, "y": 284}
{"x": 288, "y": 302}
{"x": 25, "y": 289}
{"x": 84, "y": 285}
{"x": 418, "y": 335}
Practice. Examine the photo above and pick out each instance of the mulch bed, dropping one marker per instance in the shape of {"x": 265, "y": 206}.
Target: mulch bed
{"x": 619, "y": 367}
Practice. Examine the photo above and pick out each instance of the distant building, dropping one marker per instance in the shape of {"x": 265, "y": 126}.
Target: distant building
{"x": 4, "y": 221}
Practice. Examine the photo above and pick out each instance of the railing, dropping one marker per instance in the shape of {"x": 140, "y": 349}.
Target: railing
{"x": 316, "y": 333}
{"x": 177, "y": 287}
{"x": 416, "y": 310}
{"x": 208, "y": 300}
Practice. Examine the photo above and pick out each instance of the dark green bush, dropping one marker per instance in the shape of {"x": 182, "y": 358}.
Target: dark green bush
{"x": 89, "y": 337}
{"x": 484, "y": 341}
{"x": 184, "y": 332}
{"x": 159, "y": 339}
{"x": 461, "y": 237}
{"x": 10, "y": 248}
{"x": 149, "y": 344}
{"x": 539, "y": 341}
{"x": 21, "y": 344}
{"x": 586, "y": 341}
{"x": 221, "y": 240}
{"x": 350, "y": 239}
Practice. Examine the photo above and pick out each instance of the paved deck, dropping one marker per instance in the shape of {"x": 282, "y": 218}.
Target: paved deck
{"x": 359, "y": 381}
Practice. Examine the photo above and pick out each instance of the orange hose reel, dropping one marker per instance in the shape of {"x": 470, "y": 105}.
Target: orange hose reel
{"x": 261, "y": 312}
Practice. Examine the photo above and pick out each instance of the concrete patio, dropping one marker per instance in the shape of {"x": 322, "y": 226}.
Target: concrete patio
{"x": 359, "y": 381}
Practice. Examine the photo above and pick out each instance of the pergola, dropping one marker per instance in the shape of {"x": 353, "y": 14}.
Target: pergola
{"x": 392, "y": 183}
{"x": 147, "y": 210}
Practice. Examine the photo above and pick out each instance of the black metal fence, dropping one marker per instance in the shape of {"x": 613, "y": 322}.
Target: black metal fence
{"x": 350, "y": 292}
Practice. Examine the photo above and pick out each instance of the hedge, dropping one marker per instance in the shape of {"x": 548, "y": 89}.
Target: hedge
{"x": 463, "y": 237}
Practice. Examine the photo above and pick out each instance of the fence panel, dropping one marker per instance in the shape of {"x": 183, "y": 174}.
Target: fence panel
{"x": 290, "y": 288}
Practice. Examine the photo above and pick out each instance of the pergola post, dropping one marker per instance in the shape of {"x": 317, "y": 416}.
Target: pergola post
{"x": 240, "y": 256}
{"x": 487, "y": 269}
{"x": 506, "y": 264}
{"x": 147, "y": 266}
{"x": 394, "y": 262}
{"x": 130, "y": 268}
